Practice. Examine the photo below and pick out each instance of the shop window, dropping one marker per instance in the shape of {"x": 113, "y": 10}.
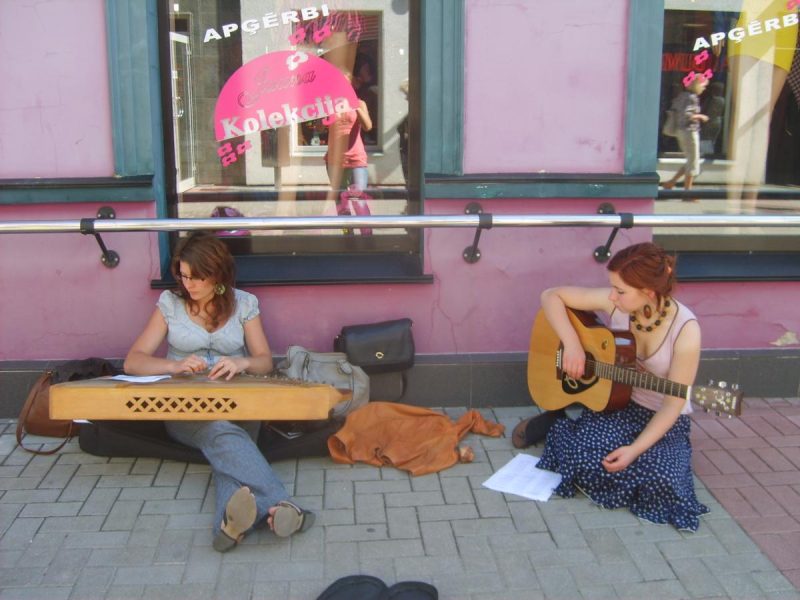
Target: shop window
{"x": 740, "y": 58}
{"x": 312, "y": 135}
{"x": 293, "y": 108}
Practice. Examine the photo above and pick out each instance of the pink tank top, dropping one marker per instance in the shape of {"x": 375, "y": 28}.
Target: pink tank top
{"x": 348, "y": 127}
{"x": 659, "y": 362}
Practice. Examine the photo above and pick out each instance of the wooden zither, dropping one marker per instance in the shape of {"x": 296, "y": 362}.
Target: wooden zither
{"x": 194, "y": 397}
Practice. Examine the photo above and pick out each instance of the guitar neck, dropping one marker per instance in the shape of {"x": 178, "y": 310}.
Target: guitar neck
{"x": 639, "y": 379}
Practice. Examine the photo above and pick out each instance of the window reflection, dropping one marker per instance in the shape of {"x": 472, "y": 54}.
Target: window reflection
{"x": 749, "y": 155}
{"x": 292, "y": 164}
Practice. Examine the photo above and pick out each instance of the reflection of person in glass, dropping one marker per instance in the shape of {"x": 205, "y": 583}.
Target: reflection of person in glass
{"x": 687, "y": 108}
{"x": 759, "y": 66}
{"x": 364, "y": 83}
{"x": 402, "y": 131}
{"x": 346, "y": 158}
{"x": 715, "y": 111}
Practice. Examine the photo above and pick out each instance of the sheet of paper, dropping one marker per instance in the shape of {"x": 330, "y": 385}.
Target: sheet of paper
{"x": 520, "y": 476}
{"x": 140, "y": 378}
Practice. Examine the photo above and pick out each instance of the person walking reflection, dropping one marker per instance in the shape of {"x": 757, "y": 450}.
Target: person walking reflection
{"x": 346, "y": 160}
{"x": 687, "y": 109}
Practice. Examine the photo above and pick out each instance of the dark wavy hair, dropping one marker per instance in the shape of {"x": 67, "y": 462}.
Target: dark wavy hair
{"x": 646, "y": 266}
{"x": 209, "y": 258}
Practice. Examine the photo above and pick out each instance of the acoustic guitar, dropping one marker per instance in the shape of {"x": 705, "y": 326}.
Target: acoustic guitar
{"x": 610, "y": 373}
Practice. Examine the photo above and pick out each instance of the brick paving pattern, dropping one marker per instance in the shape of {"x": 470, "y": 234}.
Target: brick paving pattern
{"x": 752, "y": 467}
{"x": 78, "y": 526}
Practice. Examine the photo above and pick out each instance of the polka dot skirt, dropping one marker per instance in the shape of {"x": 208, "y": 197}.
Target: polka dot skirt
{"x": 657, "y": 486}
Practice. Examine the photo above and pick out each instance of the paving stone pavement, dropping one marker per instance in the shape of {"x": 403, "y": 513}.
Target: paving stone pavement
{"x": 78, "y": 526}
{"x": 752, "y": 466}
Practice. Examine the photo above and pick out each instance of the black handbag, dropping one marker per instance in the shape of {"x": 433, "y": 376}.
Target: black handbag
{"x": 378, "y": 347}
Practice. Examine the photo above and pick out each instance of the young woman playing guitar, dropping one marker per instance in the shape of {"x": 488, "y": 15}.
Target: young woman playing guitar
{"x": 639, "y": 456}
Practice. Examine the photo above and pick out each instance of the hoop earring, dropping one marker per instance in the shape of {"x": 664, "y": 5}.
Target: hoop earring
{"x": 219, "y": 289}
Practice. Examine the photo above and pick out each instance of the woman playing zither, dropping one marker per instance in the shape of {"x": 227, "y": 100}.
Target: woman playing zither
{"x": 210, "y": 326}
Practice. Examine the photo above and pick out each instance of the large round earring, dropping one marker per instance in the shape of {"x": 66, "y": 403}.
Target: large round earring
{"x": 219, "y": 289}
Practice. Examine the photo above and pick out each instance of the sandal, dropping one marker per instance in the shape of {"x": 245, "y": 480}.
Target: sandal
{"x": 290, "y": 518}
{"x": 240, "y": 514}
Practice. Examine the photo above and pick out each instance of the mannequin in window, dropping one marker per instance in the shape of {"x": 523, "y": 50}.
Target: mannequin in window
{"x": 759, "y": 67}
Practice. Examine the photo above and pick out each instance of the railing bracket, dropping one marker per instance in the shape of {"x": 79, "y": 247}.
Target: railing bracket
{"x": 471, "y": 253}
{"x": 109, "y": 258}
{"x": 603, "y": 253}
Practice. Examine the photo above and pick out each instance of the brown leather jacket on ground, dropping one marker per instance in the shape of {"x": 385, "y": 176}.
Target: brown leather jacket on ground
{"x": 417, "y": 440}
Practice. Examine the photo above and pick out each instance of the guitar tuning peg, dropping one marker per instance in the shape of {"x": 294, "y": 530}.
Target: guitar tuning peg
{"x": 722, "y": 385}
{"x": 710, "y": 382}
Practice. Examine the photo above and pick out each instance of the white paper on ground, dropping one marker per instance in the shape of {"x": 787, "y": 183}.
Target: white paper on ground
{"x": 140, "y": 378}
{"x": 521, "y": 477}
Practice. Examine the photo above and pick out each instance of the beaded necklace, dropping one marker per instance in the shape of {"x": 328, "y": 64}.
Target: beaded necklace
{"x": 656, "y": 323}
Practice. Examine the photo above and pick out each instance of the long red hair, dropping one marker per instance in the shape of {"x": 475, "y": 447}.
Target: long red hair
{"x": 646, "y": 266}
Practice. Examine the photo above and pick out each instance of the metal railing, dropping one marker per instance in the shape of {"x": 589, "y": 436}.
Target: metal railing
{"x": 111, "y": 225}
{"x": 106, "y": 222}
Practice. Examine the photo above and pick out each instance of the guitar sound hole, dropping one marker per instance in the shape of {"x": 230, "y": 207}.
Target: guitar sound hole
{"x": 572, "y": 386}
{"x": 588, "y": 370}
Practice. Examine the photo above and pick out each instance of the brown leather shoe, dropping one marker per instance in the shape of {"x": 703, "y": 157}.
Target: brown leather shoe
{"x": 534, "y": 429}
{"x": 518, "y": 436}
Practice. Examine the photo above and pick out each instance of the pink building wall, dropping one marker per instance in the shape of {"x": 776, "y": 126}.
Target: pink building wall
{"x": 58, "y": 301}
{"x": 534, "y": 73}
{"x": 55, "y": 115}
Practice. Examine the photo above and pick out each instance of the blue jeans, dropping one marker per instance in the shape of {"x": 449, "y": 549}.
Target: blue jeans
{"x": 235, "y": 461}
{"x": 357, "y": 176}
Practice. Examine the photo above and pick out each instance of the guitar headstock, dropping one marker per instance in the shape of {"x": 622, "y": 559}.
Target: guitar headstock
{"x": 718, "y": 397}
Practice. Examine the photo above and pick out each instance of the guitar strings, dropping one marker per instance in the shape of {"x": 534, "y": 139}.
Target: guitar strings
{"x": 636, "y": 378}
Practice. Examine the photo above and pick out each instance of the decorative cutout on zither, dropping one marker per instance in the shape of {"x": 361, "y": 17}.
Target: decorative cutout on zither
{"x": 169, "y": 405}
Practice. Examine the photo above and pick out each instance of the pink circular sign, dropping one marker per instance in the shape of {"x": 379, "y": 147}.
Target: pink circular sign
{"x": 278, "y": 89}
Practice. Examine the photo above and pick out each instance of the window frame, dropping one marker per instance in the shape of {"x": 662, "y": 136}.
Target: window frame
{"x": 444, "y": 178}
{"x": 336, "y": 267}
{"x": 444, "y": 55}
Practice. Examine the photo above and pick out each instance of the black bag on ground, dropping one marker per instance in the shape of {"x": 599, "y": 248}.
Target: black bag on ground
{"x": 378, "y": 347}
{"x": 149, "y": 439}
{"x": 367, "y": 587}
{"x": 134, "y": 439}
{"x": 282, "y": 440}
